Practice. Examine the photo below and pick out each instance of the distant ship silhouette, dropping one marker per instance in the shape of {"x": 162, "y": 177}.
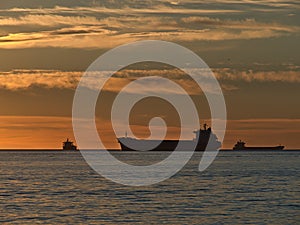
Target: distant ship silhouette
{"x": 240, "y": 145}
{"x": 202, "y": 135}
{"x": 68, "y": 145}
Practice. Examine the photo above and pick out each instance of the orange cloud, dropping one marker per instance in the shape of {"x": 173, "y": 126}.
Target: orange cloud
{"x": 289, "y": 76}
{"x": 86, "y": 31}
{"x": 157, "y": 9}
{"x": 23, "y": 79}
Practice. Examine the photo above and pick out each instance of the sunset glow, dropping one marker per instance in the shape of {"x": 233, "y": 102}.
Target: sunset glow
{"x": 252, "y": 48}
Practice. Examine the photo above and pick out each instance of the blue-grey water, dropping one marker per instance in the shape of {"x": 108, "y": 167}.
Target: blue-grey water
{"x": 238, "y": 188}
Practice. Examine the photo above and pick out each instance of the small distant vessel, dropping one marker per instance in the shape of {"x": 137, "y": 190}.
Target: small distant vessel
{"x": 240, "y": 145}
{"x": 68, "y": 145}
{"x": 202, "y": 135}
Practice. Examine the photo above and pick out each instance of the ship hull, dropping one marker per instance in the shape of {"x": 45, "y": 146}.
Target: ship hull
{"x": 130, "y": 144}
{"x": 258, "y": 148}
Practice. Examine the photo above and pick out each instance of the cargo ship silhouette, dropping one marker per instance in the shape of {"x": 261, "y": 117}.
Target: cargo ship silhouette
{"x": 240, "y": 145}
{"x": 69, "y": 145}
{"x": 200, "y": 143}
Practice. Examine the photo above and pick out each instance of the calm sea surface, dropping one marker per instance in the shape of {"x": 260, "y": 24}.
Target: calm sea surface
{"x": 238, "y": 188}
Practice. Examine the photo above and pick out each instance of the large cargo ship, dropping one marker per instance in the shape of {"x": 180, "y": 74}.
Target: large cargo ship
{"x": 240, "y": 145}
{"x": 199, "y": 143}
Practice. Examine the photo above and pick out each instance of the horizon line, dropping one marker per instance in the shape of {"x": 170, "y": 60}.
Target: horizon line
{"x": 117, "y": 149}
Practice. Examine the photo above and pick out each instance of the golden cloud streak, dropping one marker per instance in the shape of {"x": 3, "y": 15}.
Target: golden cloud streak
{"x": 24, "y": 79}
{"x": 87, "y": 31}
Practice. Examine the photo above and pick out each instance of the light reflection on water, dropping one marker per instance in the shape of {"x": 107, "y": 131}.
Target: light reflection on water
{"x": 238, "y": 188}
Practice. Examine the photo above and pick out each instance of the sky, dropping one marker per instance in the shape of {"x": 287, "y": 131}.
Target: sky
{"x": 251, "y": 46}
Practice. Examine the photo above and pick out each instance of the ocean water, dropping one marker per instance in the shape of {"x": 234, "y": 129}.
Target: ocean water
{"x": 238, "y": 188}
